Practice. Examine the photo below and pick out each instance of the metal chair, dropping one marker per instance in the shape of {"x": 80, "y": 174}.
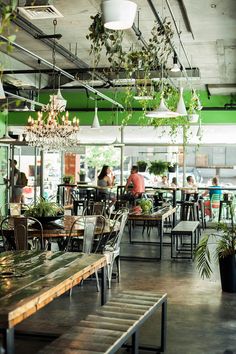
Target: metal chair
{"x": 112, "y": 247}
{"x": 20, "y": 241}
{"x": 89, "y": 223}
{"x": 95, "y": 208}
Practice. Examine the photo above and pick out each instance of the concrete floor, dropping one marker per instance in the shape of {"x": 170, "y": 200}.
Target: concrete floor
{"x": 201, "y": 319}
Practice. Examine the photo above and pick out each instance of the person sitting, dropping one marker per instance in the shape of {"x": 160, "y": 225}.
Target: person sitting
{"x": 138, "y": 186}
{"x": 174, "y": 183}
{"x": 214, "y": 192}
{"x": 192, "y": 191}
{"x": 105, "y": 183}
{"x": 164, "y": 182}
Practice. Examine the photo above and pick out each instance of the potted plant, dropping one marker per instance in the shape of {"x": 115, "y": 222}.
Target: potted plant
{"x": 146, "y": 205}
{"x": 224, "y": 252}
{"x": 158, "y": 167}
{"x": 67, "y": 179}
{"x": 82, "y": 175}
{"x": 142, "y": 165}
{"x": 194, "y": 107}
{"x": 44, "y": 211}
{"x": 172, "y": 167}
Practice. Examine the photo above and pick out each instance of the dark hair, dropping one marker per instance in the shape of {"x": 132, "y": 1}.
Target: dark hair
{"x": 174, "y": 180}
{"x": 103, "y": 172}
{"x": 134, "y": 168}
{"x": 215, "y": 181}
{"x": 188, "y": 178}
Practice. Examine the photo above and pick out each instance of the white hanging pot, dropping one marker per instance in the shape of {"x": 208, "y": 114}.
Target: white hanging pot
{"x": 118, "y": 14}
{"x": 193, "y": 118}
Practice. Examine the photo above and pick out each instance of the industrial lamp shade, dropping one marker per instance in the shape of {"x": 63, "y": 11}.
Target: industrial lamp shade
{"x": 181, "y": 109}
{"x": 96, "y": 124}
{"x": 118, "y": 14}
{"x": 162, "y": 112}
{"x": 2, "y": 93}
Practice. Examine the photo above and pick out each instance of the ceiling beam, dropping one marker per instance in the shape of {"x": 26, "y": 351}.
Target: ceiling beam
{"x": 63, "y": 72}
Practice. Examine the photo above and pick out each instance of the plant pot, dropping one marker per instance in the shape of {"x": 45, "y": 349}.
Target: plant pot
{"x": 172, "y": 169}
{"x": 193, "y": 118}
{"x": 228, "y": 273}
{"x": 82, "y": 178}
{"x": 225, "y": 197}
{"x": 66, "y": 180}
{"x": 142, "y": 168}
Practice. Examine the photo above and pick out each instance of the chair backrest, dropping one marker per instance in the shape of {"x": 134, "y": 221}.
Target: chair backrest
{"x": 19, "y": 228}
{"x": 95, "y": 208}
{"x": 114, "y": 239}
{"x": 101, "y": 236}
{"x": 89, "y": 223}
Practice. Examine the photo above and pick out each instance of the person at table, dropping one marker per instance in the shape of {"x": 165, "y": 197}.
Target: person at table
{"x": 164, "y": 182}
{"x": 192, "y": 191}
{"x": 135, "y": 180}
{"x": 174, "y": 183}
{"x": 106, "y": 182}
{"x": 214, "y": 192}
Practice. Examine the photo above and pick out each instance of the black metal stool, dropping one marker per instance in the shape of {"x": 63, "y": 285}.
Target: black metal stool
{"x": 229, "y": 210}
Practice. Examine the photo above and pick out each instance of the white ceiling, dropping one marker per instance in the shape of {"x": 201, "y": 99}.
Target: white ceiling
{"x": 210, "y": 47}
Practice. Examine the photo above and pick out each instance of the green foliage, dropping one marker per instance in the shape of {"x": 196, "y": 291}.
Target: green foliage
{"x": 142, "y": 164}
{"x": 98, "y": 156}
{"x": 158, "y": 167}
{"x": 44, "y": 208}
{"x": 145, "y": 204}
{"x": 225, "y": 241}
{"x": 69, "y": 178}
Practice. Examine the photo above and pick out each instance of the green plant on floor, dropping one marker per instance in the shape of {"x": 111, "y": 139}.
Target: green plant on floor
{"x": 44, "y": 208}
{"x": 224, "y": 240}
{"x": 158, "y": 168}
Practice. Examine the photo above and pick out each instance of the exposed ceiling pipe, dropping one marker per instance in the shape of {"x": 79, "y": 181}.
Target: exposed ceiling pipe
{"x": 24, "y": 99}
{"x": 34, "y": 31}
{"x": 178, "y": 32}
{"x": 63, "y": 72}
{"x": 158, "y": 18}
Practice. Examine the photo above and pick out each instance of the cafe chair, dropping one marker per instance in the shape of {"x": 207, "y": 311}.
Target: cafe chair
{"x": 112, "y": 247}
{"x": 89, "y": 225}
{"x": 15, "y": 234}
{"x": 95, "y": 208}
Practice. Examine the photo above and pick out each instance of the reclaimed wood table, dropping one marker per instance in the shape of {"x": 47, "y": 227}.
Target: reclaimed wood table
{"x": 158, "y": 217}
{"x": 29, "y": 280}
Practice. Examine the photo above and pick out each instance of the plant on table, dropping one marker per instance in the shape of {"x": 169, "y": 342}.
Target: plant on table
{"x": 146, "y": 205}
{"x": 44, "y": 208}
{"x": 219, "y": 246}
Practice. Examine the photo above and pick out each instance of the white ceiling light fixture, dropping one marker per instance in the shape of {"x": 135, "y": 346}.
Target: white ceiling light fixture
{"x": 118, "y": 14}
{"x": 181, "y": 108}
{"x": 2, "y": 93}
{"x": 6, "y": 138}
{"x": 175, "y": 67}
{"x": 96, "y": 124}
{"x": 162, "y": 112}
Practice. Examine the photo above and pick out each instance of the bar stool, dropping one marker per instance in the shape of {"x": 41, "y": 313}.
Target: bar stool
{"x": 189, "y": 211}
{"x": 227, "y": 204}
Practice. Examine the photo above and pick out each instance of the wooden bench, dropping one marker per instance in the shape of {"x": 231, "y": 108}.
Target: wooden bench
{"x": 183, "y": 230}
{"x": 109, "y": 328}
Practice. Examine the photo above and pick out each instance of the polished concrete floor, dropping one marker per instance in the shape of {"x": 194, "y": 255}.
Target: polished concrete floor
{"x": 201, "y": 319}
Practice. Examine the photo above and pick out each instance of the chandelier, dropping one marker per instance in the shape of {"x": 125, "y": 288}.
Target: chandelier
{"x": 52, "y": 130}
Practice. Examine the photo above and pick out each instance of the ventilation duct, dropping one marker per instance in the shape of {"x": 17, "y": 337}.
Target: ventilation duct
{"x": 38, "y": 10}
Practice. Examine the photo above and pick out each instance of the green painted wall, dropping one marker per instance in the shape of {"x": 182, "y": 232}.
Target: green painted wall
{"x": 77, "y": 101}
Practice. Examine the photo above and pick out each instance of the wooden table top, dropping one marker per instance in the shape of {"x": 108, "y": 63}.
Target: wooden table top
{"x": 61, "y": 227}
{"x": 158, "y": 215}
{"x": 29, "y": 280}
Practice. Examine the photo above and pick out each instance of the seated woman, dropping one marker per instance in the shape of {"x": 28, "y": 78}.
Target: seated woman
{"x": 106, "y": 182}
{"x": 214, "y": 192}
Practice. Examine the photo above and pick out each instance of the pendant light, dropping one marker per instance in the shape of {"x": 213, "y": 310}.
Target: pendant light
{"x": 181, "y": 108}
{"x": 6, "y": 138}
{"x": 118, "y": 14}
{"x": 96, "y": 124}
{"x": 162, "y": 111}
{"x": 2, "y": 93}
{"x": 175, "y": 68}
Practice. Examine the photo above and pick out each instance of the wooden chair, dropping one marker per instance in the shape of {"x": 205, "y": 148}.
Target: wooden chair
{"x": 19, "y": 227}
